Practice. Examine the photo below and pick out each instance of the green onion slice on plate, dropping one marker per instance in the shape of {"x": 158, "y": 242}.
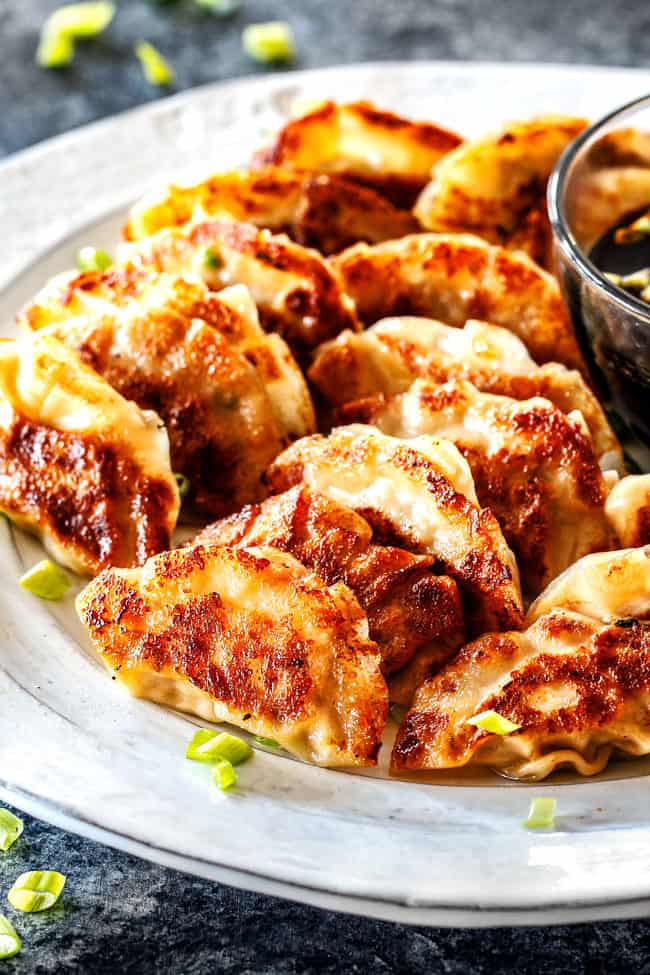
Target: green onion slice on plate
{"x": 223, "y": 774}
{"x": 495, "y": 723}
{"x": 183, "y": 485}
{"x": 46, "y": 580}
{"x": 10, "y": 829}
{"x": 10, "y": 943}
{"x": 266, "y": 742}
{"x": 77, "y": 20}
{"x": 269, "y": 43}
{"x": 36, "y": 890}
{"x": 93, "y": 259}
{"x": 156, "y": 69}
{"x": 222, "y": 8}
{"x": 54, "y": 50}
{"x": 211, "y": 746}
{"x": 542, "y": 813}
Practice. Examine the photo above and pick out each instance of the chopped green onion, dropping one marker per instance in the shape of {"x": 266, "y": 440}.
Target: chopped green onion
{"x": 269, "y": 43}
{"x": 223, "y": 774}
{"x": 222, "y": 8}
{"x": 10, "y": 829}
{"x": 266, "y": 742}
{"x": 209, "y": 746}
{"x": 54, "y": 50}
{"x": 542, "y": 813}
{"x": 495, "y": 723}
{"x": 397, "y": 713}
{"x": 36, "y": 890}
{"x": 46, "y": 580}
{"x": 93, "y": 259}
{"x": 10, "y": 943}
{"x": 211, "y": 258}
{"x": 156, "y": 69}
{"x": 183, "y": 485}
{"x": 76, "y": 20}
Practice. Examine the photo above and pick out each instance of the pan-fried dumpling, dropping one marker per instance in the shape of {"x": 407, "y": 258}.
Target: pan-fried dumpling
{"x": 376, "y": 148}
{"x": 410, "y": 610}
{"x": 232, "y": 397}
{"x": 329, "y": 212}
{"x": 453, "y": 277}
{"x": 495, "y": 187}
{"x": 248, "y": 636}
{"x": 388, "y": 356}
{"x": 297, "y": 294}
{"x": 534, "y": 467}
{"x": 577, "y": 681}
{"x": 417, "y": 495}
{"x": 81, "y": 467}
{"x": 606, "y": 586}
{"x": 628, "y": 510}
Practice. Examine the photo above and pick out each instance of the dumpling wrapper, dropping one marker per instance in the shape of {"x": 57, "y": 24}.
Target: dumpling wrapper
{"x": 532, "y": 465}
{"x": 389, "y": 355}
{"x": 231, "y": 396}
{"x": 577, "y": 681}
{"x": 376, "y": 148}
{"x": 297, "y": 294}
{"x": 81, "y": 467}
{"x": 420, "y": 496}
{"x": 495, "y": 187}
{"x": 411, "y": 612}
{"x": 453, "y": 277}
{"x": 247, "y": 636}
{"x": 326, "y": 211}
{"x": 628, "y": 510}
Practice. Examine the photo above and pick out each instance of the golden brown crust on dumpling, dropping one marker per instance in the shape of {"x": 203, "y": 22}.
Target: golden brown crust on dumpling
{"x": 409, "y": 608}
{"x": 202, "y": 363}
{"x": 453, "y": 277}
{"x": 390, "y": 355}
{"x": 247, "y": 636}
{"x": 418, "y": 495}
{"x": 534, "y": 467}
{"x": 377, "y": 148}
{"x": 79, "y": 466}
{"x": 495, "y": 187}
{"x": 579, "y": 689}
{"x": 297, "y": 294}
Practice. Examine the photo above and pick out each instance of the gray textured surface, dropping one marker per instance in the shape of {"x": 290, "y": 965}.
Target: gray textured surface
{"x": 119, "y": 914}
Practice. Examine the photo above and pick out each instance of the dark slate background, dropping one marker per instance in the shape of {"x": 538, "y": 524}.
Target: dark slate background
{"x": 122, "y": 915}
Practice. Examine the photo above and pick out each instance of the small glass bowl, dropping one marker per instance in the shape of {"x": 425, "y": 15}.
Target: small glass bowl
{"x": 603, "y": 176}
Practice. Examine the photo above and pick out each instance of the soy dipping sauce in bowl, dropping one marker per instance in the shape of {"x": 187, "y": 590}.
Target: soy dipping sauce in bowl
{"x": 600, "y": 185}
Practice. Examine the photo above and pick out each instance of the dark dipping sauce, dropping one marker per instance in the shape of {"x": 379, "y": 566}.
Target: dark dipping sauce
{"x": 621, "y": 366}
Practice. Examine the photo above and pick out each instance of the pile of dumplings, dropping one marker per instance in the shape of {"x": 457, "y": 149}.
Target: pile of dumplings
{"x": 407, "y": 492}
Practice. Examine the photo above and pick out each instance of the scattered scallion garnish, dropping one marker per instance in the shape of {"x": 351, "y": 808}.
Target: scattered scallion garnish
{"x": 54, "y": 50}
{"x": 10, "y": 829}
{"x": 495, "y": 723}
{"x": 93, "y": 259}
{"x": 211, "y": 746}
{"x": 156, "y": 69}
{"x": 70, "y": 23}
{"x": 542, "y": 813}
{"x": 46, "y": 580}
{"x": 223, "y": 774}
{"x": 36, "y": 890}
{"x": 635, "y": 231}
{"x": 269, "y": 43}
{"x": 211, "y": 259}
{"x": 10, "y": 943}
{"x": 222, "y": 8}
{"x": 183, "y": 485}
{"x": 265, "y": 742}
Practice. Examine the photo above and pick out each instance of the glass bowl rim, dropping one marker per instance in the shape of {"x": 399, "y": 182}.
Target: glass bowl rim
{"x": 562, "y": 233}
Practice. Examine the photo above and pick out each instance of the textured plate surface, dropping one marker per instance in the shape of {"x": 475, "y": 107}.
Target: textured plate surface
{"x": 76, "y": 751}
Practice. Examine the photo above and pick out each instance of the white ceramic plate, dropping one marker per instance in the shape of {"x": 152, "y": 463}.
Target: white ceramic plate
{"x": 76, "y": 751}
